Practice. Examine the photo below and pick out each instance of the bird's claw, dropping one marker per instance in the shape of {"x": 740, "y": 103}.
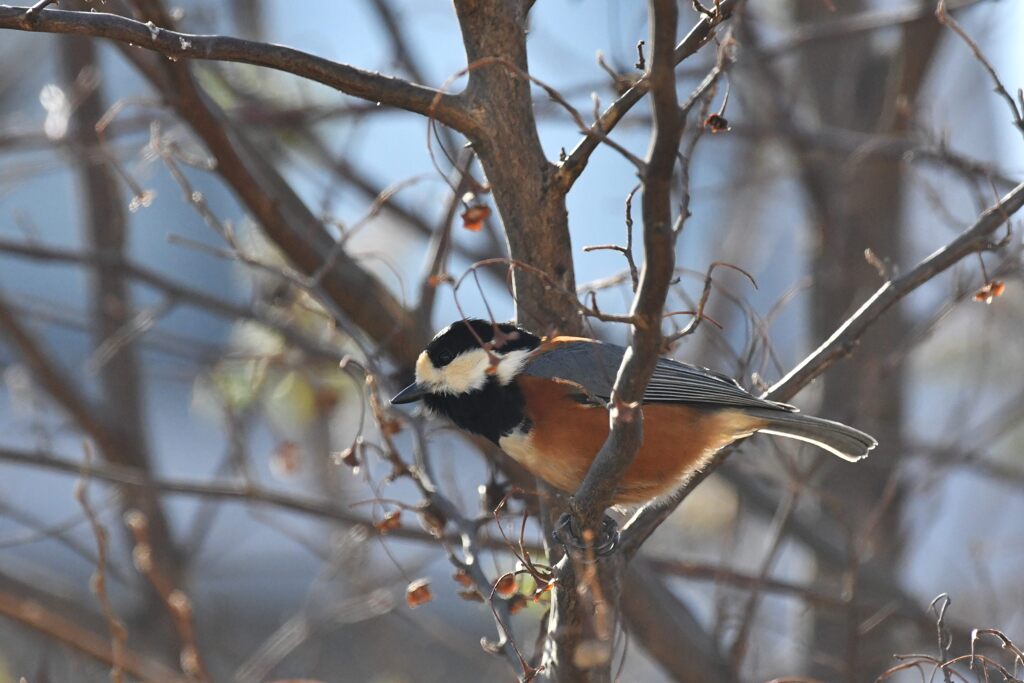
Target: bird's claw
{"x": 567, "y": 535}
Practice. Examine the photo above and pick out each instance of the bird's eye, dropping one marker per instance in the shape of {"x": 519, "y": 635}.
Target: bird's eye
{"x": 444, "y": 358}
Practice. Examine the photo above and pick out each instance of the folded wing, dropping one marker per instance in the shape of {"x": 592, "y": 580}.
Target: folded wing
{"x": 593, "y": 365}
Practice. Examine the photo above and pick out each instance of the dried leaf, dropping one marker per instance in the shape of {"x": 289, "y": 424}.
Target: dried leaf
{"x": 990, "y": 291}
{"x": 473, "y": 218}
{"x": 389, "y": 427}
{"x": 462, "y": 578}
{"x": 418, "y": 593}
{"x": 717, "y": 123}
{"x": 286, "y": 459}
{"x": 539, "y": 593}
{"x": 391, "y": 521}
{"x": 325, "y": 398}
{"x": 506, "y": 585}
{"x": 517, "y": 603}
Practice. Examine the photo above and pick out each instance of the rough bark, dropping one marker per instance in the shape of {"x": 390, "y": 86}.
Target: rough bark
{"x": 531, "y": 205}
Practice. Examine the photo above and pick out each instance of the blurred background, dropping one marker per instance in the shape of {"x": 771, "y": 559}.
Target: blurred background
{"x": 142, "y": 305}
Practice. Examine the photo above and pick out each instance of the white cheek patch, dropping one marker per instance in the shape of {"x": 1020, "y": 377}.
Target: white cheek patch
{"x": 466, "y": 373}
{"x": 511, "y": 364}
{"x": 469, "y": 371}
{"x": 426, "y": 373}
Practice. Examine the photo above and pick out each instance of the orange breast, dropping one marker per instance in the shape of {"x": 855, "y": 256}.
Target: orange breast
{"x": 566, "y": 435}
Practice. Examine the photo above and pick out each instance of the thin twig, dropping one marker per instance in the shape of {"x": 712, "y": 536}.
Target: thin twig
{"x": 842, "y": 342}
{"x": 570, "y": 169}
{"x": 55, "y": 625}
{"x": 175, "y": 600}
{"x": 118, "y": 633}
{"x": 367, "y": 85}
{"x": 943, "y": 16}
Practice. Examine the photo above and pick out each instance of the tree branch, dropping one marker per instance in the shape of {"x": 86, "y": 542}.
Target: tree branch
{"x": 103, "y": 215}
{"x": 570, "y": 169}
{"x": 33, "y": 614}
{"x": 668, "y": 630}
{"x": 367, "y": 85}
{"x": 974, "y": 239}
{"x": 842, "y": 342}
{"x": 350, "y": 292}
{"x": 596, "y": 491}
{"x": 585, "y": 609}
{"x": 174, "y": 291}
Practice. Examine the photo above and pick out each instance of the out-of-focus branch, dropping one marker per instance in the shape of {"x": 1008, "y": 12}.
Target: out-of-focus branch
{"x": 843, "y": 341}
{"x": 847, "y": 26}
{"x": 863, "y": 145}
{"x": 55, "y": 383}
{"x": 974, "y": 239}
{"x": 375, "y": 87}
{"x": 174, "y": 291}
{"x": 35, "y": 615}
{"x": 668, "y": 630}
{"x": 812, "y": 595}
{"x": 176, "y": 601}
{"x": 244, "y": 493}
{"x": 570, "y": 169}
{"x": 105, "y": 222}
{"x": 350, "y": 291}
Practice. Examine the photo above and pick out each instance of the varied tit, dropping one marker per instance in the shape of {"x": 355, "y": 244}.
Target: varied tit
{"x": 545, "y": 403}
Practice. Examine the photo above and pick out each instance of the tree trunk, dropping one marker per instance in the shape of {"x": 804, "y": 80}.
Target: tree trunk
{"x": 857, "y": 205}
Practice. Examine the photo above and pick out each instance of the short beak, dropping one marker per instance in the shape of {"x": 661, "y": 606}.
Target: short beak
{"x": 410, "y": 394}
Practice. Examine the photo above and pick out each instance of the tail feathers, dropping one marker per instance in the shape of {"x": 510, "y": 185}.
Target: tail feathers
{"x": 846, "y": 442}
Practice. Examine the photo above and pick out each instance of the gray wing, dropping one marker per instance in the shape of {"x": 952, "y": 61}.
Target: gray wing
{"x": 593, "y": 365}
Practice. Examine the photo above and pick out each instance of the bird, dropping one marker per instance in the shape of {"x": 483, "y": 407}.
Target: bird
{"x": 545, "y": 403}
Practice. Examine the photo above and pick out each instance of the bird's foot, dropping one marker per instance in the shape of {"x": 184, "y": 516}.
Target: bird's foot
{"x": 567, "y": 534}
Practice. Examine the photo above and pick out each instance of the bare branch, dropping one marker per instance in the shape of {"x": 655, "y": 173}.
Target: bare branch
{"x": 570, "y": 169}
{"x": 595, "y": 493}
{"x": 54, "y": 625}
{"x": 843, "y": 341}
{"x": 348, "y": 291}
{"x": 118, "y": 633}
{"x": 974, "y": 239}
{"x": 375, "y": 87}
{"x": 172, "y": 290}
{"x": 943, "y": 16}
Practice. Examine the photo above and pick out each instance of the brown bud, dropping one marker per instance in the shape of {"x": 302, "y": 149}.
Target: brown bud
{"x": 717, "y": 123}
{"x": 390, "y": 522}
{"x": 418, "y": 593}
{"x": 473, "y": 218}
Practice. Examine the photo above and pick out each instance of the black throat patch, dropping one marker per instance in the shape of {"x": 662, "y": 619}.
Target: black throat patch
{"x": 495, "y": 409}
{"x": 491, "y": 412}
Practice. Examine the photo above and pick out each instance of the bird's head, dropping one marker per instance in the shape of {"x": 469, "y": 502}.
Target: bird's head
{"x": 466, "y": 357}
